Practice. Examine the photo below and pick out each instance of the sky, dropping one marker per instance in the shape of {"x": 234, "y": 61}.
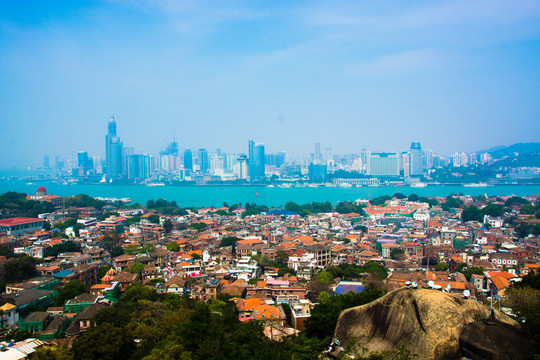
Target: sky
{"x": 454, "y": 75}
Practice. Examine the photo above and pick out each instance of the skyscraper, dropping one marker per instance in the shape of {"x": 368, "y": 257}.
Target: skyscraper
{"x": 318, "y": 157}
{"x": 203, "y": 160}
{"x": 383, "y": 164}
{"x": 256, "y": 162}
{"x": 46, "y": 163}
{"x": 82, "y": 162}
{"x": 113, "y": 151}
{"x": 188, "y": 160}
{"x": 416, "y": 160}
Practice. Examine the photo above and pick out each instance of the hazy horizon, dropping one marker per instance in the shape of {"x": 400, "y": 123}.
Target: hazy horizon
{"x": 454, "y": 75}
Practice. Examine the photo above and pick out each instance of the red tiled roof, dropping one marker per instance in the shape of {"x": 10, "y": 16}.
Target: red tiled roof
{"x": 18, "y": 221}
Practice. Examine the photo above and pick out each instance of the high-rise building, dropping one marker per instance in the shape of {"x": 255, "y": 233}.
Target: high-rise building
{"x": 46, "y": 163}
{"x": 416, "y": 159}
{"x": 113, "y": 150}
{"x": 428, "y": 159}
{"x": 383, "y": 164}
{"x": 58, "y": 163}
{"x": 140, "y": 166}
{"x": 327, "y": 155}
{"x": 241, "y": 167}
{"x": 171, "y": 149}
{"x": 188, "y": 160}
{"x": 459, "y": 159}
{"x": 203, "y": 160}
{"x": 82, "y": 162}
{"x": 257, "y": 162}
{"x": 317, "y": 173}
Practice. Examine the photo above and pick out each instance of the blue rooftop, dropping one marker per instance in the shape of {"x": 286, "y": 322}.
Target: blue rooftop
{"x": 345, "y": 288}
{"x": 63, "y": 273}
{"x": 281, "y": 212}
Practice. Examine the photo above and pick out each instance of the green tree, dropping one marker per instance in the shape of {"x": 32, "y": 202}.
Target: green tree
{"x": 397, "y": 254}
{"x": 515, "y": 200}
{"x": 324, "y": 316}
{"x": 413, "y": 197}
{"x": 69, "y": 291}
{"x": 399, "y": 196}
{"x": 472, "y": 214}
{"x": 63, "y": 247}
{"x": 53, "y": 353}
{"x": 136, "y": 268}
{"x": 228, "y": 241}
{"x": 103, "y": 271}
{"x": 492, "y": 210}
{"x": 19, "y": 269}
{"x": 527, "y": 209}
{"x": 117, "y": 251}
{"x": 473, "y": 271}
{"x": 168, "y": 226}
{"x": 153, "y": 218}
{"x": 173, "y": 246}
{"x": 441, "y": 267}
{"x": 525, "y": 302}
{"x": 105, "y": 342}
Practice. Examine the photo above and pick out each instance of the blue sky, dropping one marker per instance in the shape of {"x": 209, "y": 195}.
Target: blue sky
{"x": 454, "y": 75}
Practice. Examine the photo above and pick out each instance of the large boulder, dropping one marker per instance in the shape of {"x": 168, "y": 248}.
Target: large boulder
{"x": 429, "y": 321}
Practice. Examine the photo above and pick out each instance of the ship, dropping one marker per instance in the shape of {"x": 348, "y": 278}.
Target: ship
{"x": 476, "y": 185}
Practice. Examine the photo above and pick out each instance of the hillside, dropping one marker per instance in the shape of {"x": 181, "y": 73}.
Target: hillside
{"x": 520, "y": 148}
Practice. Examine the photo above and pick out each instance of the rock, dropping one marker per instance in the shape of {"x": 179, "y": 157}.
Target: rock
{"x": 495, "y": 341}
{"x": 429, "y": 321}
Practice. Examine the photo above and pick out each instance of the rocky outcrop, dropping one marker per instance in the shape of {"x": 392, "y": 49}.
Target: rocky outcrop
{"x": 430, "y": 321}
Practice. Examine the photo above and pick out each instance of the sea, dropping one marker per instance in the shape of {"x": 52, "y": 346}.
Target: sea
{"x": 215, "y": 195}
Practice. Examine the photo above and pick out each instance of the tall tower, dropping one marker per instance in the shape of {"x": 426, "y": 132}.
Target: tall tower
{"x": 113, "y": 151}
{"x": 318, "y": 156}
{"x": 416, "y": 160}
{"x": 257, "y": 172}
{"x": 203, "y": 160}
{"x": 188, "y": 160}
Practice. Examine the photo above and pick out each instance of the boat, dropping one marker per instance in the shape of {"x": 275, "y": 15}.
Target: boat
{"x": 284, "y": 186}
{"x": 270, "y": 186}
{"x": 419, "y": 185}
{"x": 155, "y": 184}
{"x": 345, "y": 185}
{"x": 476, "y": 185}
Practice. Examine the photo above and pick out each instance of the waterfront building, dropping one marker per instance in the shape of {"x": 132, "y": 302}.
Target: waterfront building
{"x": 256, "y": 162}
{"x": 416, "y": 159}
{"x": 203, "y": 160}
{"x": 383, "y": 164}
{"x": 459, "y": 159}
{"x": 317, "y": 173}
{"x": 241, "y": 168}
{"x": 113, "y": 150}
{"x": 188, "y": 160}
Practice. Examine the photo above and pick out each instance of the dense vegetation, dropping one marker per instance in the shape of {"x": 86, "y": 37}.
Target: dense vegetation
{"x": 524, "y": 299}
{"x": 165, "y": 207}
{"x": 83, "y": 200}
{"x": 16, "y": 204}
{"x": 170, "y": 327}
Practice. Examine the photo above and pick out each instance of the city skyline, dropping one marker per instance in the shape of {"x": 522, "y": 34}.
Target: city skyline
{"x": 456, "y": 76}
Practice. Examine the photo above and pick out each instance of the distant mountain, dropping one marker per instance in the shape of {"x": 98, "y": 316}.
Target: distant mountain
{"x": 520, "y": 148}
